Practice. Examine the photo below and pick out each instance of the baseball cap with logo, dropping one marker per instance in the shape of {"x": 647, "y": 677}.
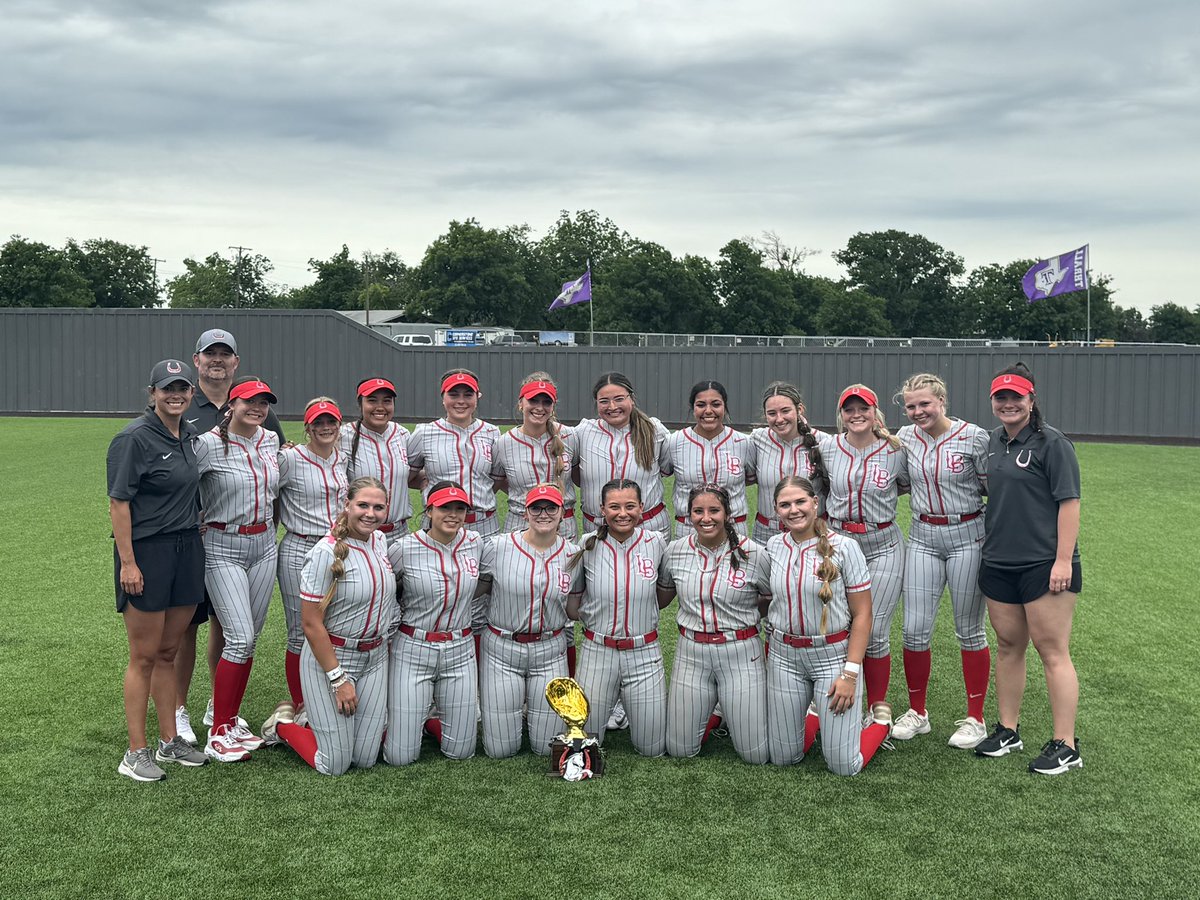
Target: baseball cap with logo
{"x": 866, "y": 395}
{"x": 1016, "y": 383}
{"x": 544, "y": 493}
{"x": 250, "y": 388}
{"x": 213, "y": 337}
{"x": 321, "y": 408}
{"x": 533, "y": 388}
{"x": 169, "y": 371}
{"x": 446, "y": 495}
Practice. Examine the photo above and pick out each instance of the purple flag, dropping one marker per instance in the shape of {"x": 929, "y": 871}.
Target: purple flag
{"x": 1057, "y": 275}
{"x": 575, "y": 292}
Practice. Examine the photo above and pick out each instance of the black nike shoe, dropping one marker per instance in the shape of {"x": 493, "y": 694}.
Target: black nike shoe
{"x": 1056, "y": 758}
{"x": 1001, "y": 742}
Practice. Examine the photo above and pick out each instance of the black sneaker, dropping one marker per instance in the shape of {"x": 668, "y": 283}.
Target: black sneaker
{"x": 1056, "y": 758}
{"x": 1001, "y": 742}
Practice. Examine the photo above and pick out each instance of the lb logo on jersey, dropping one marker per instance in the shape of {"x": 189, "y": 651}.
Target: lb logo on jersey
{"x": 737, "y": 578}
{"x": 472, "y": 566}
{"x": 486, "y": 450}
{"x": 954, "y": 462}
{"x": 646, "y": 567}
{"x": 878, "y": 477}
{"x": 564, "y": 582}
{"x": 733, "y": 464}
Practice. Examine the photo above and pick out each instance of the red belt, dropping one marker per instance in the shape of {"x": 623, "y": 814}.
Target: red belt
{"x": 360, "y": 646}
{"x": 471, "y": 518}
{"x": 799, "y": 640}
{"x": 719, "y": 637}
{"x": 949, "y": 520}
{"x": 305, "y": 537}
{"x": 256, "y": 528}
{"x": 524, "y": 637}
{"x": 647, "y": 515}
{"x": 628, "y": 643}
{"x": 859, "y": 527}
{"x": 386, "y": 528}
{"x": 433, "y": 637}
{"x": 738, "y": 520}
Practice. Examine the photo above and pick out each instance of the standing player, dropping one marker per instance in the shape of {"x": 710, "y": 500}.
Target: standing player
{"x": 723, "y": 582}
{"x": 615, "y": 597}
{"x": 820, "y": 616}
{"x": 622, "y": 442}
{"x": 867, "y": 469}
{"x": 538, "y": 451}
{"x": 376, "y": 447}
{"x": 349, "y": 600}
{"x": 312, "y": 489}
{"x": 438, "y": 570}
{"x": 710, "y": 452}
{"x": 153, "y": 489}
{"x": 216, "y": 361}
{"x": 523, "y": 645}
{"x": 947, "y": 465}
{"x": 239, "y": 480}
{"x": 1031, "y": 573}
{"x": 787, "y": 446}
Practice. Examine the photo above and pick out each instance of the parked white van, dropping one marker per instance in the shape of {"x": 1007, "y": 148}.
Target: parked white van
{"x": 413, "y": 340}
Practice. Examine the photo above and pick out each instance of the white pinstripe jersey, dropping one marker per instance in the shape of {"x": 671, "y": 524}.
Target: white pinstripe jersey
{"x": 238, "y": 487}
{"x": 526, "y": 461}
{"x": 530, "y": 586}
{"x": 863, "y": 484}
{"x": 948, "y": 475}
{"x": 437, "y": 580}
{"x": 795, "y": 607}
{"x": 383, "y": 456}
{"x": 312, "y": 491}
{"x": 365, "y": 601}
{"x": 775, "y": 461}
{"x": 449, "y": 453}
{"x": 726, "y": 459}
{"x": 606, "y": 453}
{"x": 619, "y": 583}
{"x": 713, "y": 595}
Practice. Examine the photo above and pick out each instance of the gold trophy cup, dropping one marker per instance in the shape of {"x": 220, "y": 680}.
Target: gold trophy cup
{"x": 574, "y": 754}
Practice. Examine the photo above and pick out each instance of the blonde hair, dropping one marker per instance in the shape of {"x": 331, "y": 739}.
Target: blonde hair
{"x": 879, "y": 424}
{"x": 557, "y": 448}
{"x": 340, "y": 531}
{"x": 828, "y": 571}
{"x": 924, "y": 381}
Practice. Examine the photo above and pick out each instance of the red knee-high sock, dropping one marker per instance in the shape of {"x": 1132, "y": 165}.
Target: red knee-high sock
{"x": 571, "y": 660}
{"x": 812, "y": 723}
{"x": 917, "y": 664}
{"x": 872, "y": 736}
{"x": 714, "y": 722}
{"x": 977, "y": 666}
{"x": 877, "y": 672}
{"x": 300, "y": 739}
{"x": 291, "y": 670}
{"x": 229, "y": 687}
{"x": 433, "y": 728}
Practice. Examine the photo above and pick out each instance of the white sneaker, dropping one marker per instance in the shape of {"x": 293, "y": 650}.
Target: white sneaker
{"x": 302, "y": 716}
{"x": 618, "y": 721}
{"x": 284, "y": 712}
{"x": 245, "y": 736}
{"x": 970, "y": 732}
{"x": 909, "y": 725}
{"x": 183, "y": 726}
{"x": 222, "y": 747}
{"x": 208, "y": 717}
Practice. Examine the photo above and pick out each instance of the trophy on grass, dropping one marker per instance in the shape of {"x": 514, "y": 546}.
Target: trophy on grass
{"x": 574, "y": 754}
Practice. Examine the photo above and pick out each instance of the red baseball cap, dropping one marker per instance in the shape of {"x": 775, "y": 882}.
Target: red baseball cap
{"x": 250, "y": 389}
{"x": 1018, "y": 384}
{"x": 371, "y": 385}
{"x": 448, "y": 495}
{"x": 866, "y": 395}
{"x": 533, "y": 388}
{"x": 460, "y": 378}
{"x": 324, "y": 408}
{"x": 544, "y": 493}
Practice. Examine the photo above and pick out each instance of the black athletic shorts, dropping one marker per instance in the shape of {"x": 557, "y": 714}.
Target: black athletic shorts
{"x": 1021, "y": 586}
{"x": 172, "y": 571}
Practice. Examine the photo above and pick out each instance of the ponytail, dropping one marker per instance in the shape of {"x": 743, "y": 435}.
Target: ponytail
{"x": 557, "y": 450}
{"x": 816, "y": 462}
{"x": 827, "y": 571}
{"x": 880, "y": 430}
{"x": 340, "y": 531}
{"x": 358, "y": 424}
{"x": 223, "y": 426}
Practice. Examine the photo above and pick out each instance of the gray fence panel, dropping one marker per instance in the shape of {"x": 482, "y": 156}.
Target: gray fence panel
{"x": 97, "y": 362}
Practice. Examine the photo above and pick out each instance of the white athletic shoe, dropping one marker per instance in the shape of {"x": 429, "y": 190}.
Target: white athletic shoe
{"x": 245, "y": 736}
{"x": 618, "y": 721}
{"x": 909, "y": 725}
{"x": 183, "y": 726}
{"x": 208, "y": 717}
{"x": 222, "y": 747}
{"x": 302, "y": 716}
{"x": 970, "y": 732}
{"x": 881, "y": 714}
{"x": 284, "y": 712}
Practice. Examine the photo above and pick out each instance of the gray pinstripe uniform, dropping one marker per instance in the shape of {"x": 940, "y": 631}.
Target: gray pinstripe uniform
{"x": 383, "y": 456}
{"x": 797, "y": 676}
{"x": 312, "y": 491}
{"x": 361, "y": 610}
{"x": 238, "y": 489}
{"x": 715, "y": 598}
{"x": 948, "y": 478}
{"x": 727, "y": 459}
{"x": 524, "y": 644}
{"x": 774, "y": 461}
{"x": 449, "y": 453}
{"x": 863, "y": 489}
{"x": 433, "y": 656}
{"x": 622, "y": 655}
{"x": 527, "y": 462}
{"x": 606, "y": 453}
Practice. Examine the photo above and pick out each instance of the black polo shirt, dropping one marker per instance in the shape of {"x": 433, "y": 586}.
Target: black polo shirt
{"x": 203, "y": 415}
{"x": 1027, "y": 478}
{"x": 157, "y": 473}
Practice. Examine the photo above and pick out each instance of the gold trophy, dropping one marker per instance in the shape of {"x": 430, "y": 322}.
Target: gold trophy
{"x": 574, "y": 754}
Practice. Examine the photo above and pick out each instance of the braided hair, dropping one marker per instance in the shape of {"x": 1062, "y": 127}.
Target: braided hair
{"x": 340, "y": 531}
{"x": 737, "y": 553}
{"x": 827, "y": 571}
{"x": 640, "y": 426}
{"x": 601, "y": 533}
{"x": 1035, "y": 414}
{"x": 808, "y": 437}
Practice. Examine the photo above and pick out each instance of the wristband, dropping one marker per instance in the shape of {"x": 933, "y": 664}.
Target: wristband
{"x": 337, "y": 683}
{"x": 852, "y": 668}
{"x": 335, "y": 673}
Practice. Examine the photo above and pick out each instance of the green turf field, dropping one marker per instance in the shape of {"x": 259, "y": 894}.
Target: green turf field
{"x": 923, "y": 820}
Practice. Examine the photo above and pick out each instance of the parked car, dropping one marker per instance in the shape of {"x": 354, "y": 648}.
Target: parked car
{"x": 413, "y": 340}
{"x": 511, "y": 340}
{"x": 557, "y": 338}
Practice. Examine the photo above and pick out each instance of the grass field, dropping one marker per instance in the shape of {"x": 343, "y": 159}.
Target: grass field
{"x": 923, "y": 820}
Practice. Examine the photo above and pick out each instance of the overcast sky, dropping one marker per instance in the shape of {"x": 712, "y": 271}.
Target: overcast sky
{"x": 1001, "y": 130}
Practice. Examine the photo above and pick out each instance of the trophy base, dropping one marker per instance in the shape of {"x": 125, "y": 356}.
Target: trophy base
{"x": 561, "y": 750}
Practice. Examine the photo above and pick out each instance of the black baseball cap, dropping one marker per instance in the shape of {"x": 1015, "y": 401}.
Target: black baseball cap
{"x": 169, "y": 371}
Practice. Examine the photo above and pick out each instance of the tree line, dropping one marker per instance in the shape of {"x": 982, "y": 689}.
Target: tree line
{"x": 896, "y": 284}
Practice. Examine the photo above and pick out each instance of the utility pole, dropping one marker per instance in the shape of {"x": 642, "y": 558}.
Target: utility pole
{"x": 157, "y": 294}
{"x": 237, "y": 275}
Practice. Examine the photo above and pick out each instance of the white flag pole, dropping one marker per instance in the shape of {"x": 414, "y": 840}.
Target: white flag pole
{"x": 1087, "y": 268}
{"x": 592, "y": 307}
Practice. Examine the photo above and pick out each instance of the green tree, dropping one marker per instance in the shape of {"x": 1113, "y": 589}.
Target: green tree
{"x": 915, "y": 278}
{"x": 994, "y": 297}
{"x": 1131, "y": 326}
{"x": 120, "y": 275}
{"x": 1171, "y": 323}
{"x": 36, "y": 274}
{"x": 573, "y": 240}
{"x": 339, "y": 284}
{"x": 647, "y": 290}
{"x": 219, "y": 282}
{"x": 849, "y": 312}
{"x": 754, "y": 299}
